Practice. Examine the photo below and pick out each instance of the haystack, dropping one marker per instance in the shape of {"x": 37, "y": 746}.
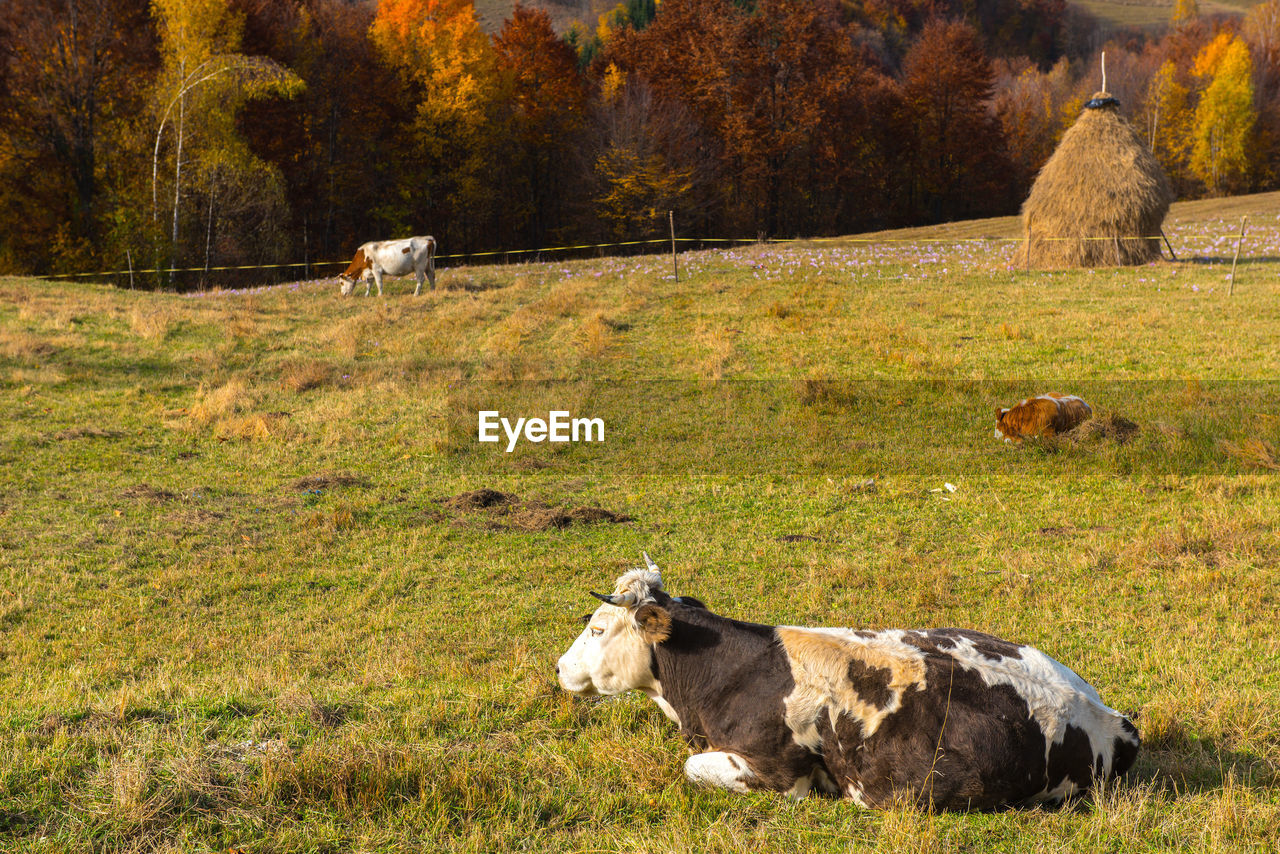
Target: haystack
{"x": 1101, "y": 198}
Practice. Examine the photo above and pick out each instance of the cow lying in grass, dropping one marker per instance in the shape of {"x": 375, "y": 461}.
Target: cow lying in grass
{"x": 373, "y": 260}
{"x": 945, "y": 718}
{"x": 1047, "y": 415}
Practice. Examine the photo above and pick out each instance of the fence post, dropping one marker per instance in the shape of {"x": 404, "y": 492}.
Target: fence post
{"x": 675, "y": 266}
{"x": 1231, "y": 280}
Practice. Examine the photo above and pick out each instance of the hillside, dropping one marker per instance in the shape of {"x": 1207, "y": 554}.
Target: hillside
{"x": 563, "y": 12}
{"x": 1150, "y": 14}
{"x": 1115, "y": 13}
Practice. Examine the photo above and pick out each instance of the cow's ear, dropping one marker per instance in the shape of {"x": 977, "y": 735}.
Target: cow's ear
{"x": 691, "y": 602}
{"x": 654, "y": 623}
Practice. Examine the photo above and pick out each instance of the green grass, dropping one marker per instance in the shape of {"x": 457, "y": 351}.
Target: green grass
{"x": 202, "y": 649}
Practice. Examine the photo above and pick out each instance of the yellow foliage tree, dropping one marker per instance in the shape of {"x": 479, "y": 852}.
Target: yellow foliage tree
{"x": 1211, "y": 55}
{"x": 1170, "y": 120}
{"x": 637, "y": 187}
{"x": 203, "y": 83}
{"x": 438, "y": 47}
{"x": 1224, "y": 119}
{"x": 450, "y": 69}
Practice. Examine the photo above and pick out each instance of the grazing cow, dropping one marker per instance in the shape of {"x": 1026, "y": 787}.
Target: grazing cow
{"x": 415, "y": 255}
{"x": 944, "y": 718}
{"x": 1046, "y": 415}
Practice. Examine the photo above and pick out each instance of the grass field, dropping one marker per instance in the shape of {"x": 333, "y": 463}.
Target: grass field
{"x": 239, "y": 608}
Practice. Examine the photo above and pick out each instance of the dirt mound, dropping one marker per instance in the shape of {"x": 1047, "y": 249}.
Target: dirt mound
{"x": 1115, "y": 428}
{"x": 147, "y": 492}
{"x": 86, "y": 433}
{"x": 797, "y": 538}
{"x": 503, "y": 511}
{"x": 480, "y": 499}
{"x": 596, "y": 514}
{"x": 328, "y": 480}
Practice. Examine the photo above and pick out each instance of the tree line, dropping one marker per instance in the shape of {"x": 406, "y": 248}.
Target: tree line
{"x": 205, "y": 133}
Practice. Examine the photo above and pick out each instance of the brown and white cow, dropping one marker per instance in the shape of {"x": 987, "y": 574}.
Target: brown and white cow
{"x": 1045, "y": 415}
{"x": 945, "y": 718}
{"x": 377, "y": 258}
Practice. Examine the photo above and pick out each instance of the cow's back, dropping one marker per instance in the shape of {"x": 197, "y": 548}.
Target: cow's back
{"x": 949, "y": 717}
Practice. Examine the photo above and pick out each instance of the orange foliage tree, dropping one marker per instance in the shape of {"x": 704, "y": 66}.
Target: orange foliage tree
{"x": 764, "y": 82}
{"x": 956, "y": 148}
{"x": 546, "y": 107}
{"x": 448, "y": 66}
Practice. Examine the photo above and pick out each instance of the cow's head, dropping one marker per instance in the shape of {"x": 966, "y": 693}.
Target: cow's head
{"x": 613, "y": 652}
{"x": 346, "y": 284}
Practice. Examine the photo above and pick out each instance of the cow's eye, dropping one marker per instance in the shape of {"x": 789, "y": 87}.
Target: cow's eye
{"x": 595, "y": 633}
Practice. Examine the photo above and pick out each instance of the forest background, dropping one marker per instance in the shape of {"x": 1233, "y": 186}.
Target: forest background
{"x": 206, "y": 133}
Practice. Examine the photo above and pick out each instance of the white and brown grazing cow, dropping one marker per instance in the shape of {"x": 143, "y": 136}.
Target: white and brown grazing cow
{"x": 1046, "y": 415}
{"x": 945, "y": 718}
{"x": 377, "y": 258}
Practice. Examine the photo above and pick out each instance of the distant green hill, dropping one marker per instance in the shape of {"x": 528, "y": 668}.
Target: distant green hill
{"x": 1154, "y": 13}
{"x": 1117, "y": 13}
{"x": 563, "y": 12}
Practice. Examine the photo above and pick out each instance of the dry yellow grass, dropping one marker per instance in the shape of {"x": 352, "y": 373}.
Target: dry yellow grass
{"x": 594, "y": 335}
{"x": 152, "y": 322}
{"x": 305, "y": 375}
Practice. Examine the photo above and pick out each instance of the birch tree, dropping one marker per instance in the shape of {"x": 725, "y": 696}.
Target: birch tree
{"x": 203, "y": 82}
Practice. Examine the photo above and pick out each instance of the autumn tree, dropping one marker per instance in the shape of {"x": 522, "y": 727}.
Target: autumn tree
{"x": 1262, "y": 32}
{"x": 66, "y": 104}
{"x": 1184, "y": 12}
{"x": 1029, "y": 104}
{"x": 546, "y": 106}
{"x": 1170, "y": 117}
{"x": 956, "y": 150}
{"x": 342, "y": 142}
{"x": 762, "y": 81}
{"x": 448, "y": 65}
{"x": 644, "y": 160}
{"x": 1225, "y": 116}
{"x": 203, "y": 84}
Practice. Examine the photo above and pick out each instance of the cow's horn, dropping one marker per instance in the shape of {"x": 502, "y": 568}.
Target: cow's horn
{"x": 622, "y": 600}
{"x": 648, "y": 561}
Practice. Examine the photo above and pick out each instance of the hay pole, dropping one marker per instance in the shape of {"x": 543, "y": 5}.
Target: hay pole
{"x": 1104, "y": 71}
{"x": 1166, "y": 243}
{"x": 1231, "y": 280}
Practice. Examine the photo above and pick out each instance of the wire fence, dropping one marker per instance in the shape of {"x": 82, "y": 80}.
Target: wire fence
{"x": 504, "y": 256}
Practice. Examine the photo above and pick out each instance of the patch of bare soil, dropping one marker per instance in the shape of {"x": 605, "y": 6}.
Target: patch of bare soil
{"x": 502, "y": 511}
{"x": 89, "y": 432}
{"x": 1112, "y": 427}
{"x": 480, "y": 499}
{"x": 147, "y": 492}
{"x": 328, "y": 480}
